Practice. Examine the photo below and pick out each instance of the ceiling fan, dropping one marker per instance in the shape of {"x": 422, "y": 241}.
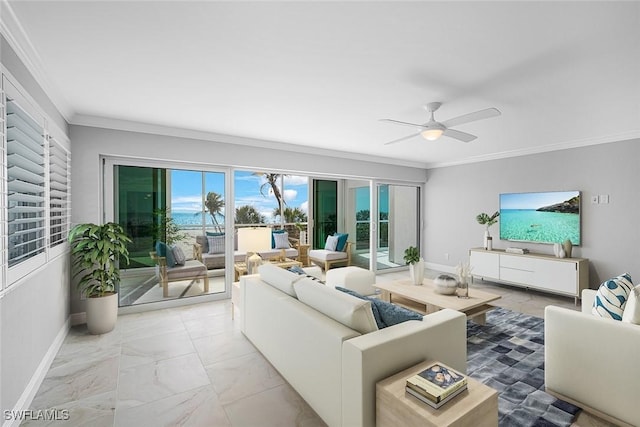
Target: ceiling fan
{"x": 433, "y": 130}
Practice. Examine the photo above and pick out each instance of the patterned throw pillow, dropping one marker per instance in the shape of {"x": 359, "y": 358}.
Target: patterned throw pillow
{"x": 331, "y": 243}
{"x": 612, "y": 296}
{"x": 178, "y": 255}
{"x": 216, "y": 244}
{"x": 282, "y": 240}
{"x": 632, "y": 308}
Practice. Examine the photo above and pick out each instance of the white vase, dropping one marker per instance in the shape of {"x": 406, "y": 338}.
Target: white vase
{"x": 102, "y": 314}
{"x": 417, "y": 272}
{"x": 556, "y": 249}
{"x": 561, "y": 253}
{"x": 486, "y": 238}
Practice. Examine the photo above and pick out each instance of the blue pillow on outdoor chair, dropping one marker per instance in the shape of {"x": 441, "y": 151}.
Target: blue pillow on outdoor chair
{"x": 165, "y": 251}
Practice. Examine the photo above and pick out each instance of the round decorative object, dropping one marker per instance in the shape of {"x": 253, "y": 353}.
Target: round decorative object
{"x": 567, "y": 246}
{"x": 445, "y": 285}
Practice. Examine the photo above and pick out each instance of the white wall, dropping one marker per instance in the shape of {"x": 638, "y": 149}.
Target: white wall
{"x": 610, "y": 232}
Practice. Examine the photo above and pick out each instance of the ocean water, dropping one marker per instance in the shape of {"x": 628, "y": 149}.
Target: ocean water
{"x": 534, "y": 226}
{"x": 193, "y": 219}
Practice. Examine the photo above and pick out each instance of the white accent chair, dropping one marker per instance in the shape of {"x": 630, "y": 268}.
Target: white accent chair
{"x": 326, "y": 258}
{"x": 592, "y": 362}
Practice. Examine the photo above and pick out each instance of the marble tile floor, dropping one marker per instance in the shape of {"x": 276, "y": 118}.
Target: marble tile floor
{"x": 191, "y": 366}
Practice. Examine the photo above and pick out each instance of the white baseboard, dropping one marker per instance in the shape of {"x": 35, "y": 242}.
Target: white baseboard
{"x": 30, "y": 391}
{"x": 78, "y": 318}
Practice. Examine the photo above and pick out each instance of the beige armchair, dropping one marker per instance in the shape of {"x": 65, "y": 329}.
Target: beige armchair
{"x": 326, "y": 258}
{"x": 191, "y": 270}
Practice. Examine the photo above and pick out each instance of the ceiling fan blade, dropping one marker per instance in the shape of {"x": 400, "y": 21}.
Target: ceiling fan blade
{"x": 461, "y": 136}
{"x": 397, "y": 122}
{"x": 472, "y": 117}
{"x": 401, "y": 139}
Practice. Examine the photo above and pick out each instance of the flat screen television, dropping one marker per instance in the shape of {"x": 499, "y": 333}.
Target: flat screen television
{"x": 546, "y": 217}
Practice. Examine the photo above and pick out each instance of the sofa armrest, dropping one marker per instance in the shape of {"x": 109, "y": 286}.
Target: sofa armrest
{"x": 592, "y": 361}
{"x": 372, "y": 357}
{"x": 588, "y": 297}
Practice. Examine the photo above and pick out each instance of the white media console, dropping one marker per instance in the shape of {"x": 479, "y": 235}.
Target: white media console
{"x": 564, "y": 276}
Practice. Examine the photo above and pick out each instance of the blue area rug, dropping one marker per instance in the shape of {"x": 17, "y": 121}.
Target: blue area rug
{"x": 507, "y": 354}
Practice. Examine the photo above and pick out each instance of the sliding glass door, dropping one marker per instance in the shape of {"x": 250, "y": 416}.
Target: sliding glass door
{"x": 174, "y": 210}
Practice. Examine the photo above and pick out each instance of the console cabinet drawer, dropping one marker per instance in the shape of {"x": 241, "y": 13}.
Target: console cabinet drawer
{"x": 517, "y": 262}
{"x": 521, "y": 277}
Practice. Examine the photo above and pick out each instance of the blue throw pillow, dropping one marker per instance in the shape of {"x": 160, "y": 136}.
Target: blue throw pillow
{"x": 374, "y": 309}
{"x": 273, "y": 239}
{"x": 165, "y": 251}
{"x": 342, "y": 241}
{"x": 297, "y": 270}
{"x": 393, "y": 314}
{"x": 612, "y": 297}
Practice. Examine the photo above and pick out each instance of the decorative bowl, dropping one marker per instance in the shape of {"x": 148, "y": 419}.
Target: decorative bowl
{"x": 445, "y": 285}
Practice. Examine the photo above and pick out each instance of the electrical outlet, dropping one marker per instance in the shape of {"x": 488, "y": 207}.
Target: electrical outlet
{"x": 594, "y": 200}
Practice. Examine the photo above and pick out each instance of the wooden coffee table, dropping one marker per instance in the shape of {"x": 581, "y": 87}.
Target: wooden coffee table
{"x": 425, "y": 299}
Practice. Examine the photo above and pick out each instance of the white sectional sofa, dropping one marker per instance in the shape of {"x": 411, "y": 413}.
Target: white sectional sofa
{"x": 593, "y": 362}
{"x": 332, "y": 366}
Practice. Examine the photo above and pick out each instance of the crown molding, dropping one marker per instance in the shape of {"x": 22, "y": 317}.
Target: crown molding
{"x": 131, "y": 126}
{"x": 16, "y": 36}
{"x": 579, "y": 143}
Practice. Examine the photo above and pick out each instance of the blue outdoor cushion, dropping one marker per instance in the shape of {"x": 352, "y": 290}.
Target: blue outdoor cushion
{"x": 162, "y": 249}
{"x": 342, "y": 241}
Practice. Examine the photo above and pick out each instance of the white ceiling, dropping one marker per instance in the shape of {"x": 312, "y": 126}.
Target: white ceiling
{"x": 321, "y": 74}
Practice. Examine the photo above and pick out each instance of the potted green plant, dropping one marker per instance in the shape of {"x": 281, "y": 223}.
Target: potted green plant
{"x": 96, "y": 251}
{"x": 416, "y": 264}
{"x": 487, "y": 221}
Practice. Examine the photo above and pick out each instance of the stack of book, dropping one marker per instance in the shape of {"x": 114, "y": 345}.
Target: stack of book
{"x": 436, "y": 385}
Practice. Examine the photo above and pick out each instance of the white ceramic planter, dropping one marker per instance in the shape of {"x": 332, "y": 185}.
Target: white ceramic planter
{"x": 417, "y": 272}
{"x": 102, "y": 314}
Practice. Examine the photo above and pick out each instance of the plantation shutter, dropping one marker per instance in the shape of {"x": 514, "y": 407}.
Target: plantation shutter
{"x": 3, "y": 192}
{"x": 59, "y": 200}
{"x": 25, "y": 154}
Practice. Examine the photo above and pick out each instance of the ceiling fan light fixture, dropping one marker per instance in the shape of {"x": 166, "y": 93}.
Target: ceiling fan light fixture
{"x": 432, "y": 134}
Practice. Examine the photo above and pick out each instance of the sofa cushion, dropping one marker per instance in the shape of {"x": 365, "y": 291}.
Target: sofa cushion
{"x": 612, "y": 296}
{"x": 325, "y": 255}
{"x": 352, "y": 312}
{"x": 281, "y": 240}
{"x": 386, "y": 313}
{"x": 279, "y": 278}
{"x": 163, "y": 250}
{"x": 631, "y": 313}
{"x": 204, "y": 243}
{"x": 178, "y": 255}
{"x": 342, "y": 240}
{"x": 216, "y": 244}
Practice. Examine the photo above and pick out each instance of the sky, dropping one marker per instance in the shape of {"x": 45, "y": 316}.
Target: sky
{"x": 534, "y": 200}
{"x": 186, "y": 191}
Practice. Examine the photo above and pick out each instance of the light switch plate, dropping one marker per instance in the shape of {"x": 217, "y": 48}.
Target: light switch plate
{"x": 603, "y": 198}
{"x": 594, "y": 200}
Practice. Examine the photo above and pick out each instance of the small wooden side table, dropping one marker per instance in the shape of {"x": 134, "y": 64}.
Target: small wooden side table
{"x": 303, "y": 255}
{"x": 475, "y": 407}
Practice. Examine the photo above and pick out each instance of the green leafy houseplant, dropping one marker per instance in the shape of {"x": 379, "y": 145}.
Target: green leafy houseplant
{"x": 487, "y": 220}
{"x": 95, "y": 252}
{"x": 411, "y": 255}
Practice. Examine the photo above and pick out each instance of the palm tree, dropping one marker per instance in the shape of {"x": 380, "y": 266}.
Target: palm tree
{"x": 272, "y": 181}
{"x": 214, "y": 204}
{"x": 248, "y": 215}
{"x": 291, "y": 214}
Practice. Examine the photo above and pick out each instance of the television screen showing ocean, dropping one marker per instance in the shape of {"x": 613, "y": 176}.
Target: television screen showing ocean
{"x": 530, "y": 225}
